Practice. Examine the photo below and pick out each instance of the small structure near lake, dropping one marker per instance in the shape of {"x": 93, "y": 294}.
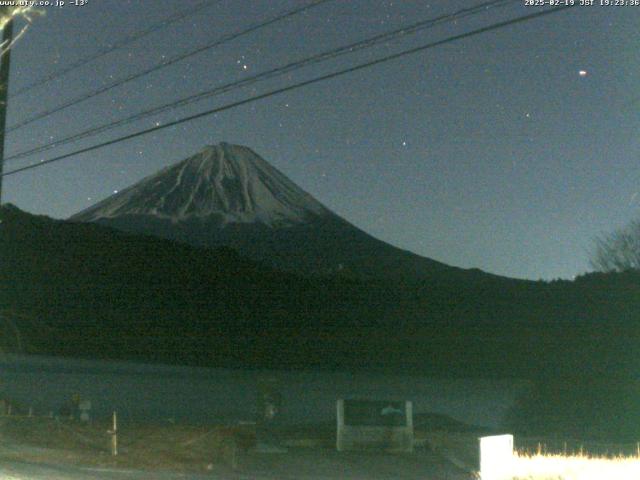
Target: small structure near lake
{"x": 375, "y": 424}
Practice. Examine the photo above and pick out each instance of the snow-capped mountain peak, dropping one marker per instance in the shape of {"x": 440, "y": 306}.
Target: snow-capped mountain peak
{"x": 227, "y": 196}
{"x": 228, "y": 183}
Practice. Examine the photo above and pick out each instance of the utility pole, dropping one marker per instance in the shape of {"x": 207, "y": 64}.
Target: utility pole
{"x": 5, "y": 62}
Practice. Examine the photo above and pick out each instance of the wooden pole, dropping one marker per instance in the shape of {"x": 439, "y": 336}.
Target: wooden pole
{"x": 5, "y": 62}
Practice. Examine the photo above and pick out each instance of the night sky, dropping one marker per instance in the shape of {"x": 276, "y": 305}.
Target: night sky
{"x": 508, "y": 151}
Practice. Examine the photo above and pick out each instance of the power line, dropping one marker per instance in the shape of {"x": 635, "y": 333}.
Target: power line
{"x": 165, "y": 63}
{"x": 117, "y": 45}
{"x": 298, "y": 85}
{"x": 330, "y": 54}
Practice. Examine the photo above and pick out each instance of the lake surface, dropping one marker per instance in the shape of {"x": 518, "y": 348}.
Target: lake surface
{"x": 205, "y": 395}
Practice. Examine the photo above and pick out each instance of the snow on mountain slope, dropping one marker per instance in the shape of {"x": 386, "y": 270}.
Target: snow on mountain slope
{"x": 228, "y": 182}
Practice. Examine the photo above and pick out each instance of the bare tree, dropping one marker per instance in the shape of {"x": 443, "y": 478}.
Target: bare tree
{"x": 21, "y": 331}
{"x": 619, "y": 251}
{"x": 11, "y": 340}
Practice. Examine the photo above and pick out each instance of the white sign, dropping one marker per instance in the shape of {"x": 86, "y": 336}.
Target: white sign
{"x": 496, "y": 457}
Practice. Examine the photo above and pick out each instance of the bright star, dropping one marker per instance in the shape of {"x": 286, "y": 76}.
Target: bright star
{"x": 582, "y": 73}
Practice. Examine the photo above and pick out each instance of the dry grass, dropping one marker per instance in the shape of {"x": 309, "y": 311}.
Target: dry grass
{"x": 574, "y": 467}
{"x": 167, "y": 447}
{"x": 462, "y": 449}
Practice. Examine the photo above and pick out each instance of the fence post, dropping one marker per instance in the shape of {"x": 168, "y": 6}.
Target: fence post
{"x": 114, "y": 435}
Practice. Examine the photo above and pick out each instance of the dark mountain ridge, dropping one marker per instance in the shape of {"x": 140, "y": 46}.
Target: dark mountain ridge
{"x": 96, "y": 292}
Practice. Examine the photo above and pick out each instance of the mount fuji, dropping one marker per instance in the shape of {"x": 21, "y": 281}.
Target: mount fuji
{"x": 227, "y": 195}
